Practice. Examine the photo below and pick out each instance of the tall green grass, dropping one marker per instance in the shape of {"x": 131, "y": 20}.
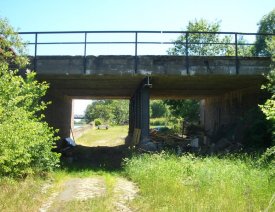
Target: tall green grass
{"x": 188, "y": 183}
{"x": 28, "y": 195}
{"x": 21, "y": 195}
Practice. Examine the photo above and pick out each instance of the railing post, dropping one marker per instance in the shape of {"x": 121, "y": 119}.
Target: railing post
{"x": 236, "y": 54}
{"x": 85, "y": 53}
{"x": 35, "y": 53}
{"x": 136, "y": 58}
{"x": 186, "y": 53}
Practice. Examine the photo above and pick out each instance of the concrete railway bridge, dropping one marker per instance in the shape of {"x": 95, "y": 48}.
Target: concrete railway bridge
{"x": 227, "y": 85}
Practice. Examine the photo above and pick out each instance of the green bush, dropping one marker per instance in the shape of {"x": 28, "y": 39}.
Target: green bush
{"x": 26, "y": 146}
{"x": 26, "y": 141}
{"x": 98, "y": 122}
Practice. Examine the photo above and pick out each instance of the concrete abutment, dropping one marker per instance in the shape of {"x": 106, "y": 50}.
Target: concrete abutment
{"x": 59, "y": 113}
{"x": 225, "y": 111}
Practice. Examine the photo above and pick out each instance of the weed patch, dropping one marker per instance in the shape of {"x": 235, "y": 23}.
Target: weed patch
{"x": 188, "y": 183}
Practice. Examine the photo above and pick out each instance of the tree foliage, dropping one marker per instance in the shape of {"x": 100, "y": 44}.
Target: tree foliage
{"x": 197, "y": 41}
{"x": 12, "y": 49}
{"x": 109, "y": 111}
{"x": 158, "y": 109}
{"x": 202, "y": 44}
{"x": 26, "y": 140}
{"x": 187, "y": 109}
{"x": 266, "y": 25}
{"x": 269, "y": 107}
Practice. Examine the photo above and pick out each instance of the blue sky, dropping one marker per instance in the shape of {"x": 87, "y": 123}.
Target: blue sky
{"x": 70, "y": 15}
{"x": 55, "y": 15}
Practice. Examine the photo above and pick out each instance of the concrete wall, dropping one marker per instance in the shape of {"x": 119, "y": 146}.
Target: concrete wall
{"x": 225, "y": 110}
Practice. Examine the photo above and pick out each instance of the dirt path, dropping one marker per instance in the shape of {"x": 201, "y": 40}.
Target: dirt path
{"x": 83, "y": 189}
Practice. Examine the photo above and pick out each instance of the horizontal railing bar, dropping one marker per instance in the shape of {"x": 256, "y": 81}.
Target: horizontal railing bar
{"x": 148, "y": 42}
{"x": 146, "y": 32}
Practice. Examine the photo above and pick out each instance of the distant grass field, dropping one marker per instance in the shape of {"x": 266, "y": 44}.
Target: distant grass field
{"x": 114, "y": 136}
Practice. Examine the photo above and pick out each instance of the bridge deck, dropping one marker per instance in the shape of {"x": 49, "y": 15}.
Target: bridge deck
{"x": 116, "y": 77}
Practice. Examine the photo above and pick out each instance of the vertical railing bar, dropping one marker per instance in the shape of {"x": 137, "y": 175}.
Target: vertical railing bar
{"x": 236, "y": 54}
{"x": 35, "y": 53}
{"x": 136, "y": 58}
{"x": 186, "y": 53}
{"x": 85, "y": 53}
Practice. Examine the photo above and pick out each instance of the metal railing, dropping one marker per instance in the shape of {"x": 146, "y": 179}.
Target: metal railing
{"x": 186, "y": 43}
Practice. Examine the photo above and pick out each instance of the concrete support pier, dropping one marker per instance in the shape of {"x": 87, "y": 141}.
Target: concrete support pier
{"x": 139, "y": 114}
{"x": 59, "y": 113}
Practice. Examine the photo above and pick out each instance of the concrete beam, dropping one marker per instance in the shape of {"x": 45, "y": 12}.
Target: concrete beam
{"x": 150, "y": 65}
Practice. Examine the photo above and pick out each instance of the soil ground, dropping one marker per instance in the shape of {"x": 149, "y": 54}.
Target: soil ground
{"x": 83, "y": 189}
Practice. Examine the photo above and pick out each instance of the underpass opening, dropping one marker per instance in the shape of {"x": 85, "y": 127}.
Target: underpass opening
{"x": 99, "y": 128}
{"x": 175, "y": 123}
{"x": 104, "y": 122}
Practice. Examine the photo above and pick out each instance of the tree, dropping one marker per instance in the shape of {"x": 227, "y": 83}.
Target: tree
{"x": 120, "y": 110}
{"x": 111, "y": 111}
{"x": 26, "y": 140}
{"x": 199, "y": 43}
{"x": 269, "y": 107}
{"x": 158, "y": 109}
{"x": 12, "y": 49}
{"x": 187, "y": 109}
{"x": 266, "y": 25}
{"x": 98, "y": 110}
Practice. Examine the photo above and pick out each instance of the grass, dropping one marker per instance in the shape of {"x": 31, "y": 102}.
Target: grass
{"x": 28, "y": 195}
{"x": 115, "y": 135}
{"x": 187, "y": 183}
{"x": 21, "y": 195}
{"x": 158, "y": 121}
{"x": 166, "y": 182}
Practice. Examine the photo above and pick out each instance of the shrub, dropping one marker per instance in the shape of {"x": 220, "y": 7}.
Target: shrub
{"x": 98, "y": 122}
{"x": 26, "y": 141}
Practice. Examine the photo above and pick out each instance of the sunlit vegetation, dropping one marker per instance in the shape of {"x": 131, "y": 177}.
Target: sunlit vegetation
{"x": 188, "y": 183}
{"x": 113, "y": 136}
